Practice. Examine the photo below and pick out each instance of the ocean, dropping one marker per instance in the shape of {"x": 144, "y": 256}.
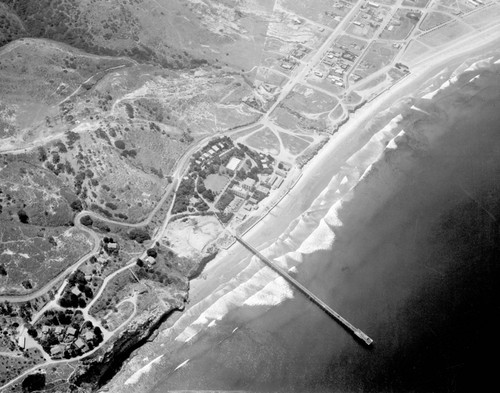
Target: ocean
{"x": 403, "y": 241}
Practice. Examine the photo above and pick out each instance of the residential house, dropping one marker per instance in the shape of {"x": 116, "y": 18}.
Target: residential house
{"x": 57, "y": 351}
{"x": 79, "y": 343}
{"x": 150, "y": 260}
{"x": 89, "y": 336}
{"x": 71, "y": 331}
{"x": 75, "y": 291}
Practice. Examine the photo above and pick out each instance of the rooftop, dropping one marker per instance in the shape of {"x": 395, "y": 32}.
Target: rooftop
{"x": 248, "y": 182}
{"x": 233, "y": 163}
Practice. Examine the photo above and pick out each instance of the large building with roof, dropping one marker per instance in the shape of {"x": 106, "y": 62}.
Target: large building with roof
{"x": 232, "y": 165}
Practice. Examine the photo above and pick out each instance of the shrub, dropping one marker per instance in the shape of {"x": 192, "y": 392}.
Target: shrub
{"x": 76, "y": 205}
{"x": 152, "y": 253}
{"x": 86, "y": 220}
{"x": 120, "y": 144}
{"x": 139, "y": 235}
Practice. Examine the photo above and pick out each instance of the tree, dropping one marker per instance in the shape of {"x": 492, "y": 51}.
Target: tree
{"x": 76, "y": 205}
{"x": 140, "y": 262}
{"x": 23, "y": 217}
{"x": 86, "y": 220}
{"x": 33, "y": 382}
{"x": 3, "y": 272}
{"x": 152, "y": 253}
{"x": 139, "y": 235}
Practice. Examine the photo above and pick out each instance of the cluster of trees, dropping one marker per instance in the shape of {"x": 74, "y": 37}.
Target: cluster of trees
{"x": 182, "y": 197}
{"x": 225, "y": 218}
{"x": 203, "y": 191}
{"x": 139, "y": 235}
{"x": 23, "y": 216}
{"x": 224, "y": 200}
{"x": 69, "y": 299}
{"x": 86, "y": 220}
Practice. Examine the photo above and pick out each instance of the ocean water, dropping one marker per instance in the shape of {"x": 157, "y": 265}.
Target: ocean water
{"x": 403, "y": 241}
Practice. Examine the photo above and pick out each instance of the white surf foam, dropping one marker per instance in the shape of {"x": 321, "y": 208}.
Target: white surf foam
{"x": 134, "y": 378}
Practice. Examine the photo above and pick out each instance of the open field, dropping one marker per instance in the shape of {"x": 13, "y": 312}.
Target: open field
{"x": 265, "y": 141}
{"x": 306, "y": 100}
{"x": 116, "y": 317}
{"x": 413, "y": 52}
{"x": 216, "y": 182}
{"x": 378, "y": 55}
{"x": 320, "y": 11}
{"x": 294, "y": 121}
{"x": 12, "y": 365}
{"x": 401, "y": 24}
{"x": 434, "y": 19}
{"x": 292, "y": 144}
{"x": 443, "y": 35}
{"x": 483, "y": 18}
{"x": 270, "y": 76}
{"x": 415, "y": 3}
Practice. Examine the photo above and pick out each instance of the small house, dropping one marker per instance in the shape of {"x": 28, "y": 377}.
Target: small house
{"x": 89, "y": 336}
{"x": 59, "y": 330}
{"x": 75, "y": 291}
{"x": 71, "y": 331}
{"x": 112, "y": 246}
{"x": 57, "y": 351}
{"x": 45, "y": 329}
{"x": 150, "y": 260}
{"x": 79, "y": 343}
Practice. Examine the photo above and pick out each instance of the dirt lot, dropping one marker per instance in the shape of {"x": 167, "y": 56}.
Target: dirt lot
{"x": 190, "y": 237}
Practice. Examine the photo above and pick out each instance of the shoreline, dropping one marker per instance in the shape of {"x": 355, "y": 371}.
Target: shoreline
{"x": 229, "y": 263}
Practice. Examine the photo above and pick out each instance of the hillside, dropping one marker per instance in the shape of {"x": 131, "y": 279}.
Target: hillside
{"x": 173, "y": 33}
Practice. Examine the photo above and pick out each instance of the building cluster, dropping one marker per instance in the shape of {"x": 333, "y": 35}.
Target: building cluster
{"x": 249, "y": 192}
{"x": 71, "y": 341}
{"x": 369, "y": 17}
{"x": 339, "y": 59}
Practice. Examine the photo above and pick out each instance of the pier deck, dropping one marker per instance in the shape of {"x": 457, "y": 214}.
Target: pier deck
{"x": 320, "y": 303}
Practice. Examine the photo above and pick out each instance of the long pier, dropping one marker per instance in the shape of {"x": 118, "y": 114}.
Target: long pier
{"x": 311, "y": 296}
